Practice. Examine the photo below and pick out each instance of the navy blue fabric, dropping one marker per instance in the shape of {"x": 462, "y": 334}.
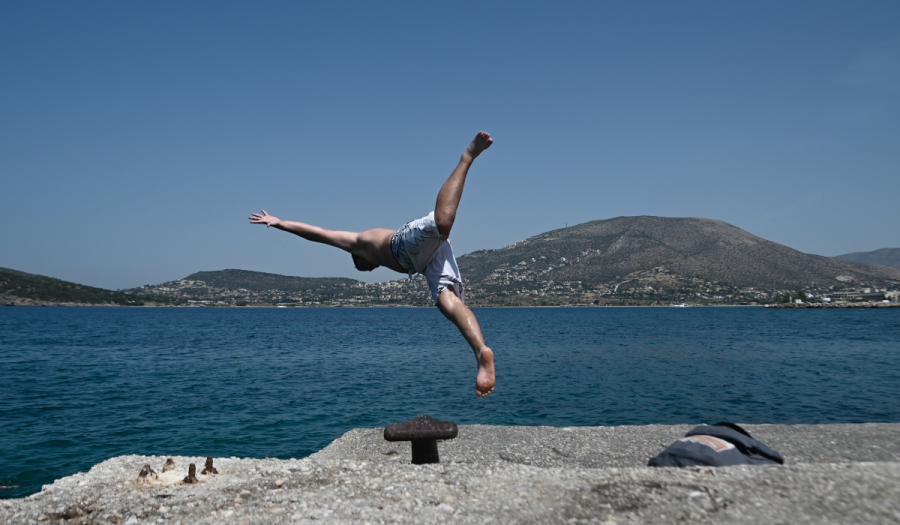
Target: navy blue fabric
{"x": 757, "y": 452}
{"x": 745, "y": 450}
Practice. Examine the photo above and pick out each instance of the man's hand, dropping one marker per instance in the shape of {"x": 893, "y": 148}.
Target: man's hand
{"x": 265, "y": 218}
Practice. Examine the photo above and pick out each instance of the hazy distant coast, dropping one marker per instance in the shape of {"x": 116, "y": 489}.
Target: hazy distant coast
{"x": 624, "y": 261}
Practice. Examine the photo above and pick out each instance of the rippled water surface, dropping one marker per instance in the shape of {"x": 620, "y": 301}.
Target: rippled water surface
{"x": 81, "y": 385}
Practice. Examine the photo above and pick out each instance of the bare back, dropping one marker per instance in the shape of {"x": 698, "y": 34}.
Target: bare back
{"x": 375, "y": 246}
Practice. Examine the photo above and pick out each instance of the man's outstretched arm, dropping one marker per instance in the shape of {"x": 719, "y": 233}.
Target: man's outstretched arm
{"x": 346, "y": 241}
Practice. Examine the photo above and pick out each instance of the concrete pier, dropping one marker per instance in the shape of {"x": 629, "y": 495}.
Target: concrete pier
{"x": 832, "y": 474}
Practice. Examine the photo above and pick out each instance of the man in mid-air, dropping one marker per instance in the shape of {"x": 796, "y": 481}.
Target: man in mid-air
{"x": 420, "y": 246}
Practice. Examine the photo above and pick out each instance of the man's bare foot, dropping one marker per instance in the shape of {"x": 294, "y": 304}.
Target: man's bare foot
{"x": 484, "y": 381}
{"x": 481, "y": 142}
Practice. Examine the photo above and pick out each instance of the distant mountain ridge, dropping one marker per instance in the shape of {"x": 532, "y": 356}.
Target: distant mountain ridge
{"x": 884, "y": 257}
{"x": 624, "y": 260}
{"x": 618, "y": 261}
{"x": 605, "y": 250}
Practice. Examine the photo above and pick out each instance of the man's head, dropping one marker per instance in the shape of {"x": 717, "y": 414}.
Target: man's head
{"x": 362, "y": 264}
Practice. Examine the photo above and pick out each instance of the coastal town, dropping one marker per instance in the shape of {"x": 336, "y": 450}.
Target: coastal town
{"x": 517, "y": 286}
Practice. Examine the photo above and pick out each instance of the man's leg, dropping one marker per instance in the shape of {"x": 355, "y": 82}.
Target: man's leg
{"x": 451, "y": 191}
{"x": 453, "y": 308}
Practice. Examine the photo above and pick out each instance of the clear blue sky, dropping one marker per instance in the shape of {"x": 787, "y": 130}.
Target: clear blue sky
{"x": 136, "y": 137}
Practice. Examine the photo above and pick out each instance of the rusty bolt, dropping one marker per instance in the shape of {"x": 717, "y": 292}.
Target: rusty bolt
{"x": 192, "y": 474}
{"x": 209, "y": 469}
{"x": 147, "y": 472}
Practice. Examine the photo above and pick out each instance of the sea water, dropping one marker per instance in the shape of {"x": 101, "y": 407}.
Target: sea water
{"x": 81, "y": 385}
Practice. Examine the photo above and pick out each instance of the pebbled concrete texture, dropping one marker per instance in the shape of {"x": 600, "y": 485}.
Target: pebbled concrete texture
{"x": 833, "y": 474}
{"x": 625, "y": 446}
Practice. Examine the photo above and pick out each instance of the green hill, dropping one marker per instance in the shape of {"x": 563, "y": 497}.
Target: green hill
{"x": 260, "y": 281}
{"x": 20, "y": 288}
{"x": 246, "y": 288}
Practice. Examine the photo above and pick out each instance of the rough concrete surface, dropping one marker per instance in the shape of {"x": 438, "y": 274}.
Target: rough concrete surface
{"x": 627, "y": 446}
{"x": 832, "y": 474}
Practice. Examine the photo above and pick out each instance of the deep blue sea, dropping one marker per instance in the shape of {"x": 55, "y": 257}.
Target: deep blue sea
{"x": 81, "y": 385}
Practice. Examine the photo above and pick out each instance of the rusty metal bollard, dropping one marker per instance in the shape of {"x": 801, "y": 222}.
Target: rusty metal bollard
{"x": 192, "y": 474}
{"x": 423, "y": 432}
{"x": 209, "y": 469}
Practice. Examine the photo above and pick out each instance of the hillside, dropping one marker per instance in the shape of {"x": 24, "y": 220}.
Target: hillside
{"x": 884, "y": 257}
{"x": 243, "y": 288}
{"x": 625, "y": 260}
{"x": 645, "y": 260}
{"x": 619, "y": 261}
{"x": 259, "y": 281}
{"x": 603, "y": 251}
{"x": 25, "y": 289}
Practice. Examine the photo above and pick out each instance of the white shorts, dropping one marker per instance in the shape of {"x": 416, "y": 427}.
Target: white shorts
{"x": 420, "y": 248}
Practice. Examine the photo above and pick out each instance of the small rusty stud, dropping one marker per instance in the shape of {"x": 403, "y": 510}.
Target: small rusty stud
{"x": 192, "y": 474}
{"x": 147, "y": 472}
{"x": 209, "y": 469}
{"x": 170, "y": 465}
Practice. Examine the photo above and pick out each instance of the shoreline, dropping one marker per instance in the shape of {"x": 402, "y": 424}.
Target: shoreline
{"x": 814, "y": 306}
{"x": 785, "y": 306}
{"x": 832, "y": 474}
